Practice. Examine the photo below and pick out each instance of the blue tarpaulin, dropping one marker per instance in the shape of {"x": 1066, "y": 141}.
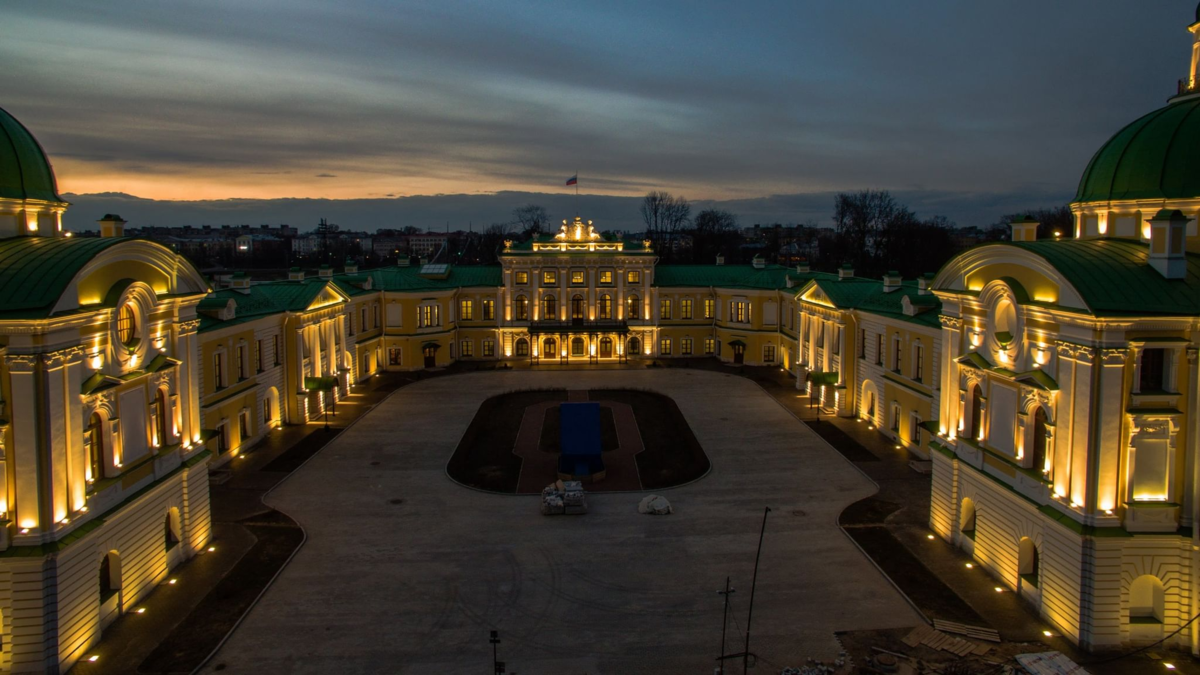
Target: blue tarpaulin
{"x": 579, "y": 439}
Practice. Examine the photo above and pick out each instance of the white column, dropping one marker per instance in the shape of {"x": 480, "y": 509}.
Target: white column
{"x": 26, "y": 468}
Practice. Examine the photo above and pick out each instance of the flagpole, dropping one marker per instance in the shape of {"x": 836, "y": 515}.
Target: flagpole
{"x": 576, "y": 193}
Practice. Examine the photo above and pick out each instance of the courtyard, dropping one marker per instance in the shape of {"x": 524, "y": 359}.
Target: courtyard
{"x": 406, "y": 571}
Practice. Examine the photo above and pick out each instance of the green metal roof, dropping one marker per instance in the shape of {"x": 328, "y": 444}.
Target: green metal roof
{"x": 25, "y": 172}
{"x": 261, "y": 300}
{"x": 1115, "y": 279}
{"x": 1153, "y": 158}
{"x": 410, "y": 279}
{"x": 868, "y": 295}
{"x": 35, "y": 271}
{"x": 769, "y": 277}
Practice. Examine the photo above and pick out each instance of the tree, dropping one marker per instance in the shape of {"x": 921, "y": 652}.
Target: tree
{"x": 1055, "y": 219}
{"x": 665, "y": 217}
{"x": 714, "y": 232}
{"x": 532, "y": 219}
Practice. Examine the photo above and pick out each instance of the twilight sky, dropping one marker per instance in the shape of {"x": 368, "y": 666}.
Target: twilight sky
{"x": 261, "y": 99}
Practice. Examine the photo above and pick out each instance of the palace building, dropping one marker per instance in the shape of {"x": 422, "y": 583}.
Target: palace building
{"x": 1053, "y": 387}
{"x": 103, "y": 464}
{"x": 1069, "y": 396}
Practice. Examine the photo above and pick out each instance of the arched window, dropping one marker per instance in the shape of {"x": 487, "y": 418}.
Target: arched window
{"x": 577, "y": 307}
{"x": 633, "y": 311}
{"x": 522, "y": 347}
{"x": 871, "y": 405}
{"x": 549, "y": 307}
{"x": 605, "y": 306}
{"x": 126, "y": 324}
{"x": 171, "y": 528}
{"x": 549, "y": 348}
{"x": 635, "y": 347}
{"x": 966, "y": 520}
{"x": 521, "y": 308}
{"x": 577, "y": 346}
{"x": 160, "y": 417}
{"x": 976, "y": 413}
{"x": 1027, "y": 561}
{"x": 1146, "y": 600}
{"x": 110, "y": 575}
{"x": 1038, "y": 458}
{"x": 96, "y": 447}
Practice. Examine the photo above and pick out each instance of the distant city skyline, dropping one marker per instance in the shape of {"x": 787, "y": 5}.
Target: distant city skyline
{"x": 372, "y": 101}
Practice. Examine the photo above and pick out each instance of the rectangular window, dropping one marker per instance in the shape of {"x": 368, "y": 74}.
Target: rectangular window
{"x": 349, "y": 322}
{"x": 685, "y": 346}
{"x": 240, "y": 355}
{"x": 428, "y": 316}
{"x": 862, "y": 343}
{"x": 578, "y": 277}
{"x": 914, "y": 429}
{"x": 489, "y": 309}
{"x": 489, "y": 347}
{"x": 258, "y": 355}
{"x": 741, "y": 312}
{"x": 664, "y": 346}
{"x": 685, "y": 308}
{"x": 837, "y": 340}
{"x": 1153, "y": 367}
{"x": 633, "y": 277}
{"x": 362, "y": 323}
{"x": 549, "y": 278}
{"x": 709, "y": 307}
{"x": 919, "y": 364}
{"x": 466, "y": 310}
{"x": 710, "y": 346}
{"x": 768, "y": 353}
{"x": 664, "y": 309}
{"x": 466, "y": 349}
{"x": 606, "y": 277}
{"x": 522, "y": 279}
{"x": 223, "y": 439}
{"x": 394, "y": 356}
{"x": 219, "y": 369}
{"x": 820, "y": 333}
{"x": 244, "y": 424}
{"x": 375, "y": 315}
{"x": 275, "y": 348}
{"x": 896, "y": 356}
{"x": 879, "y": 349}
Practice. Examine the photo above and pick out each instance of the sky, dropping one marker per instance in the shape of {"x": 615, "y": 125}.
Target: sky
{"x": 963, "y": 106}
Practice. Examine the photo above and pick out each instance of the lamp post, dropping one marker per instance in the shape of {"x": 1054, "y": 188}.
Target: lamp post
{"x": 753, "y": 583}
{"x": 494, "y": 640}
{"x": 724, "y": 622}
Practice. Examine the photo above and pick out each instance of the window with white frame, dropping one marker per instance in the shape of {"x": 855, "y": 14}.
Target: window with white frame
{"x": 768, "y": 353}
{"x": 489, "y": 347}
{"x": 466, "y": 349}
{"x": 710, "y": 346}
{"x": 685, "y": 346}
{"x": 685, "y": 308}
{"x": 664, "y": 346}
{"x": 918, "y": 368}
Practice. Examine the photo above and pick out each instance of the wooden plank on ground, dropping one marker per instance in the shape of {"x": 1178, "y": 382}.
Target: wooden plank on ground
{"x": 977, "y": 632}
{"x": 917, "y": 635}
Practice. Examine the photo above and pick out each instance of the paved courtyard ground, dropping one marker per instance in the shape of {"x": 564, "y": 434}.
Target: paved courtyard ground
{"x": 405, "y": 571}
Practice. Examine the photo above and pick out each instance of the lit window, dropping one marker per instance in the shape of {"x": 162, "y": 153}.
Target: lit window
{"x": 664, "y": 347}
{"x": 466, "y": 310}
{"x": 126, "y": 325}
{"x": 605, "y": 306}
{"x": 549, "y": 278}
{"x": 577, "y": 277}
{"x": 633, "y": 277}
{"x": 606, "y": 278}
{"x": 489, "y": 347}
{"x": 685, "y": 347}
{"x": 710, "y": 346}
{"x": 634, "y": 307}
{"x": 466, "y": 349}
{"x": 685, "y": 308}
{"x": 521, "y": 308}
{"x": 522, "y": 278}
{"x": 709, "y": 307}
{"x": 489, "y": 309}
{"x": 664, "y": 309}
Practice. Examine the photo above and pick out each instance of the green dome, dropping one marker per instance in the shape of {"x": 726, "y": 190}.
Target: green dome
{"x": 25, "y": 173}
{"x": 1153, "y": 158}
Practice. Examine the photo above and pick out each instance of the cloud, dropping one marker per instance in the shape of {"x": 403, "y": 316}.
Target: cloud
{"x": 224, "y": 98}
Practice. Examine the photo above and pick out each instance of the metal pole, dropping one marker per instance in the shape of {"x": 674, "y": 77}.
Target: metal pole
{"x": 724, "y": 622}
{"x": 495, "y": 640}
{"x": 753, "y": 583}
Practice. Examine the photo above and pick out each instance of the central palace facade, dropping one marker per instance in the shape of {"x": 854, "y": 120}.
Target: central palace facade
{"x": 1052, "y": 387}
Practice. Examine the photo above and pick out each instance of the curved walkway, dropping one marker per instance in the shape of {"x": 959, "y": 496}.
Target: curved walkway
{"x": 405, "y": 572}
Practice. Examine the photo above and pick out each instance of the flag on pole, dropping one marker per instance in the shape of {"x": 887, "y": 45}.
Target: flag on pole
{"x": 573, "y": 180}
